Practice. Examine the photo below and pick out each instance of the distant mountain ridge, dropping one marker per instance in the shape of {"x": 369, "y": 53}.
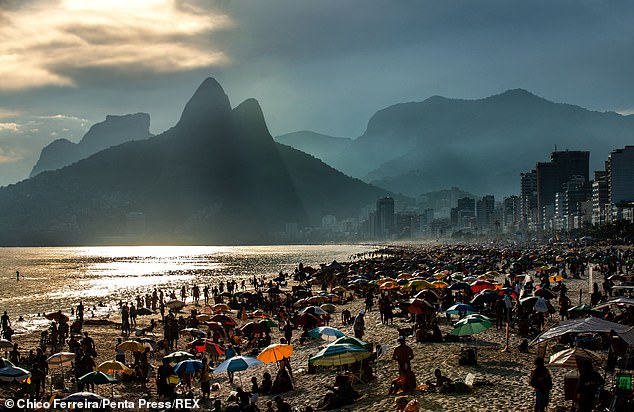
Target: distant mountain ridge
{"x": 111, "y": 132}
{"x": 479, "y": 145}
{"x": 319, "y": 145}
{"x": 216, "y": 177}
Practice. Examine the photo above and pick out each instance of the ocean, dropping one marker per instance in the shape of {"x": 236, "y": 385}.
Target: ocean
{"x": 57, "y": 278}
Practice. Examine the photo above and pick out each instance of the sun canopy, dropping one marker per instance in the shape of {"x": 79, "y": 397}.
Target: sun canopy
{"x": 617, "y": 301}
{"x": 583, "y": 325}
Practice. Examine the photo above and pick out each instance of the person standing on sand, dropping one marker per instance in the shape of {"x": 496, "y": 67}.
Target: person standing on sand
{"x": 359, "y": 325}
{"x": 6, "y": 322}
{"x": 403, "y": 354}
{"x": 542, "y": 382}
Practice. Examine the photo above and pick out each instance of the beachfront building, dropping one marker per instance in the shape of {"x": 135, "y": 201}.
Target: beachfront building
{"x": 528, "y": 202}
{"x": 551, "y": 176}
{"x": 600, "y": 198}
{"x": 511, "y": 214}
{"x": 384, "y": 226}
{"x": 620, "y": 172}
{"x": 485, "y": 210}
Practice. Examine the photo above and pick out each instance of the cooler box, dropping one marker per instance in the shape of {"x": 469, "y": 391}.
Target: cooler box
{"x": 570, "y": 385}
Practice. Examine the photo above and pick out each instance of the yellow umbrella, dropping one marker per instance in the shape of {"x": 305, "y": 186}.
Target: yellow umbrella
{"x": 131, "y": 345}
{"x": 112, "y": 366}
{"x": 418, "y": 284}
{"x": 556, "y": 278}
{"x": 381, "y": 281}
{"x": 389, "y": 285}
{"x": 275, "y": 353}
{"x": 315, "y": 299}
{"x": 439, "y": 284}
{"x": 491, "y": 274}
{"x": 338, "y": 289}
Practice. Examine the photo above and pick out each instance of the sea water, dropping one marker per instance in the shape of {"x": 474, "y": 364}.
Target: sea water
{"x": 57, "y": 278}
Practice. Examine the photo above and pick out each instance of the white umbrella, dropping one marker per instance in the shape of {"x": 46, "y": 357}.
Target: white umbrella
{"x": 568, "y": 358}
{"x": 60, "y": 360}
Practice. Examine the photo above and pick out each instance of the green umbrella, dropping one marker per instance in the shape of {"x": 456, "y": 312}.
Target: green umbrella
{"x": 337, "y": 355}
{"x": 351, "y": 340}
{"x": 144, "y": 311}
{"x": 98, "y": 378}
{"x": 471, "y": 325}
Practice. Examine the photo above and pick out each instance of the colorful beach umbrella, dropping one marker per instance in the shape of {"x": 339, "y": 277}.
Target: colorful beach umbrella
{"x": 132, "y": 346}
{"x": 337, "y": 355}
{"x": 275, "y": 353}
{"x": 110, "y": 367}
{"x": 567, "y": 358}
{"x": 60, "y": 360}
{"x": 461, "y": 308}
{"x": 326, "y": 333}
{"x": 470, "y": 326}
{"x": 189, "y": 366}
{"x": 237, "y": 364}
{"x": 13, "y": 374}
{"x": 97, "y": 378}
{"x": 178, "y": 356}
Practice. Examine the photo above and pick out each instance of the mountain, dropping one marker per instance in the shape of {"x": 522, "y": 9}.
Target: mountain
{"x": 480, "y": 145}
{"x": 111, "y": 132}
{"x": 319, "y": 145}
{"x": 216, "y": 177}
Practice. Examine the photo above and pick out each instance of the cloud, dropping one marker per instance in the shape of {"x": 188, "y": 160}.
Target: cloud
{"x": 45, "y": 43}
{"x": 12, "y": 127}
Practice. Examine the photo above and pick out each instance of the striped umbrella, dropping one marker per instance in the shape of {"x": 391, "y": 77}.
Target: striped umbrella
{"x": 337, "y": 355}
{"x": 13, "y": 373}
{"x": 326, "y": 333}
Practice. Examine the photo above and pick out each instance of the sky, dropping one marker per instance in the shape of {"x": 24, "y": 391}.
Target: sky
{"x": 324, "y": 65}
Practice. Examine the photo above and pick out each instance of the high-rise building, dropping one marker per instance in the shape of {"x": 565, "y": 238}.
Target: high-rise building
{"x": 620, "y": 171}
{"x": 528, "y": 201}
{"x": 600, "y": 198}
{"x": 552, "y": 175}
{"x": 384, "y": 217}
{"x": 511, "y": 215}
{"x": 485, "y": 209}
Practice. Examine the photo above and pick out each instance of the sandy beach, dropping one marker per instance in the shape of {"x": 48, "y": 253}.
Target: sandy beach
{"x": 501, "y": 376}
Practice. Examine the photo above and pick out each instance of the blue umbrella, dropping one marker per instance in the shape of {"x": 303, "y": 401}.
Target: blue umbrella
{"x": 13, "y": 373}
{"x": 190, "y": 366}
{"x": 461, "y": 308}
{"x": 237, "y": 364}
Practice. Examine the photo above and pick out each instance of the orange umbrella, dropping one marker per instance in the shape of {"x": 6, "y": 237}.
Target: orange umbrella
{"x": 275, "y": 353}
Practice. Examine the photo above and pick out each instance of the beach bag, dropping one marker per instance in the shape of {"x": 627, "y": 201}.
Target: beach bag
{"x": 173, "y": 380}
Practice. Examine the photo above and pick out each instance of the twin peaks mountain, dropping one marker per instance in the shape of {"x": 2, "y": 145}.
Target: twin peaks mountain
{"x": 479, "y": 145}
{"x": 217, "y": 176}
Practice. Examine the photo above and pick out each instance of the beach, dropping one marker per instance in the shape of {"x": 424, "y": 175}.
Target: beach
{"x": 501, "y": 376}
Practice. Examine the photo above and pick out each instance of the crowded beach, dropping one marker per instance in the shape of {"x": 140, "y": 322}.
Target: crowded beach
{"x": 443, "y": 328}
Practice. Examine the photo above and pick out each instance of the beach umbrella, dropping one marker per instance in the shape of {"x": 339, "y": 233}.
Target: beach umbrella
{"x": 459, "y": 286}
{"x": 259, "y": 313}
{"x": 326, "y": 333}
{"x": 337, "y": 355}
{"x": 5, "y": 362}
{"x": 316, "y": 300}
{"x": 328, "y": 307}
{"x": 544, "y": 293}
{"x": 175, "y": 304}
{"x": 203, "y": 317}
{"x": 528, "y": 301}
{"x": 351, "y": 340}
{"x": 470, "y": 326}
{"x": 250, "y": 328}
{"x": 491, "y": 274}
{"x": 339, "y": 289}
{"x": 439, "y": 284}
{"x": 178, "y": 356}
{"x": 556, "y": 278}
{"x": 97, "y": 378}
{"x": 581, "y": 325}
{"x": 419, "y": 306}
{"x": 237, "y": 364}
{"x": 307, "y": 318}
{"x": 418, "y": 284}
{"x": 60, "y": 360}
{"x": 389, "y": 285}
{"x": 148, "y": 343}
{"x": 6, "y": 344}
{"x": 567, "y": 358}
{"x": 131, "y": 345}
{"x": 144, "y": 311}
{"x": 461, "y": 308}
{"x": 13, "y": 374}
{"x": 480, "y": 285}
{"x": 583, "y": 310}
{"x": 189, "y": 366}
{"x": 484, "y": 296}
{"x": 57, "y": 316}
{"x": 84, "y": 397}
{"x": 273, "y": 291}
{"x": 275, "y": 353}
{"x": 224, "y": 320}
{"x": 110, "y": 367}
{"x": 194, "y": 332}
{"x": 221, "y": 307}
{"x": 314, "y": 310}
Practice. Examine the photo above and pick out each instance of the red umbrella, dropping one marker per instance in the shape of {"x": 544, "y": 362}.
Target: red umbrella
{"x": 223, "y": 319}
{"x": 307, "y": 318}
{"x": 250, "y": 328}
{"x": 480, "y": 285}
{"x": 419, "y": 306}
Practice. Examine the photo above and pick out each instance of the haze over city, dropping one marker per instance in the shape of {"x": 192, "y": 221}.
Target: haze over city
{"x": 323, "y": 66}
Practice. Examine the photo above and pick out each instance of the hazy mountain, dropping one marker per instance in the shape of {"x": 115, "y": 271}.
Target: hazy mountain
{"x": 111, "y": 132}
{"x": 215, "y": 177}
{"x": 479, "y": 145}
{"x": 319, "y": 145}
